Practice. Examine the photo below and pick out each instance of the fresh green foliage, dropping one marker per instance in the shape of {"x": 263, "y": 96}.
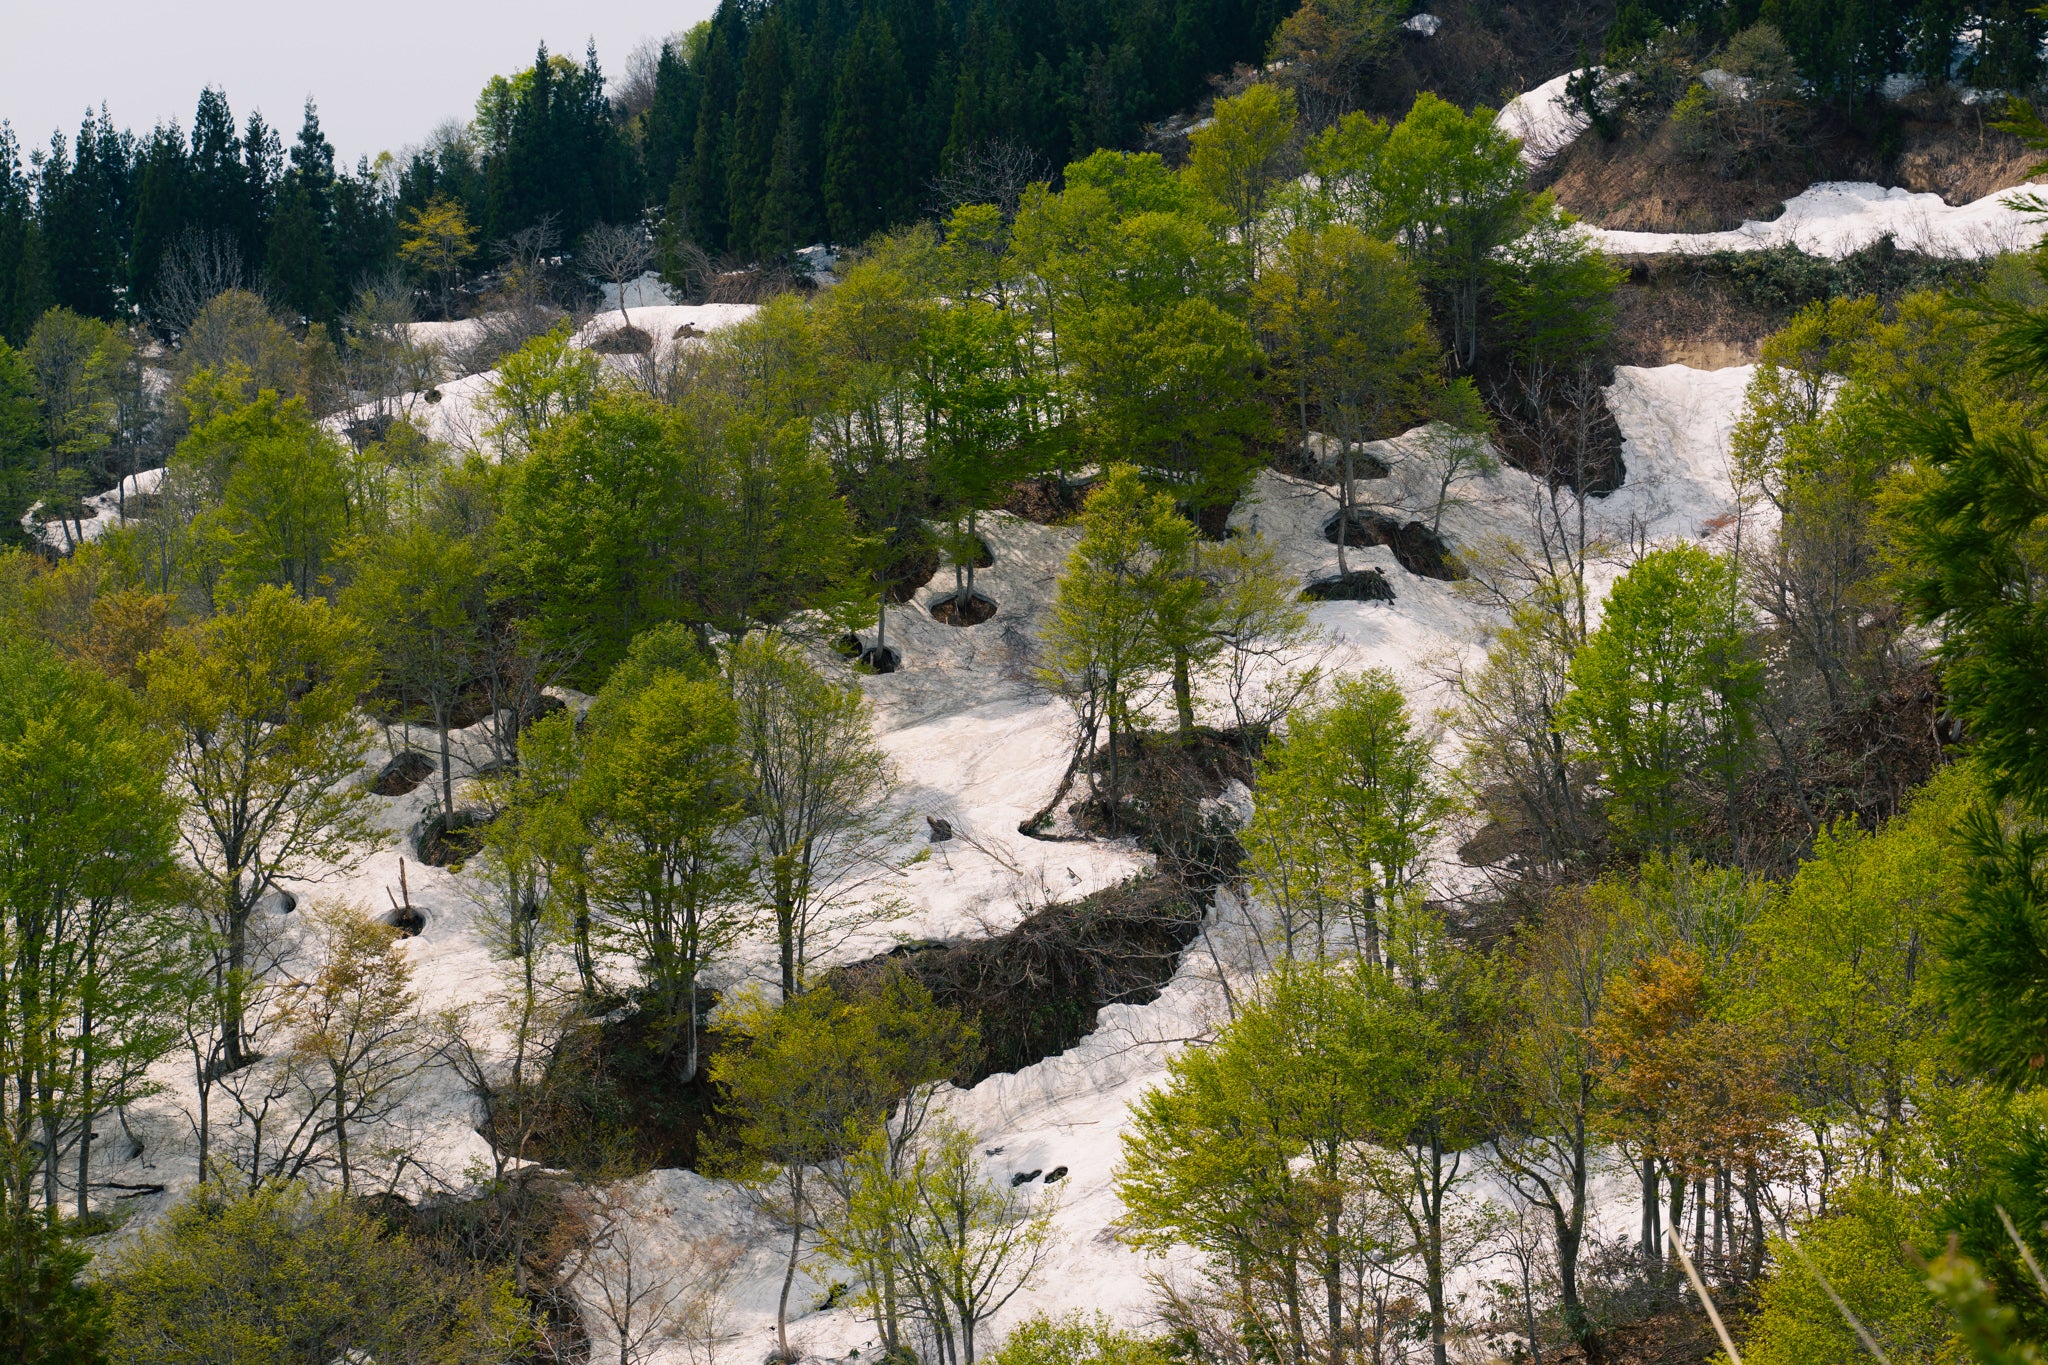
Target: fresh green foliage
{"x": 1662, "y": 692}
{"x": 280, "y": 1274}
{"x": 260, "y": 708}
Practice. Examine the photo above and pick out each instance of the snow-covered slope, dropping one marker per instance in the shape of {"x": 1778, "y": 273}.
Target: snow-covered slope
{"x": 976, "y": 743}
{"x": 1836, "y": 217}
{"x": 1543, "y": 119}
{"x": 103, "y": 512}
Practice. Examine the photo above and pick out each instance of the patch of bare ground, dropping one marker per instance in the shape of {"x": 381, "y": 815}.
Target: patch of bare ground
{"x": 1644, "y": 180}
{"x": 1713, "y": 311}
{"x": 1670, "y": 312}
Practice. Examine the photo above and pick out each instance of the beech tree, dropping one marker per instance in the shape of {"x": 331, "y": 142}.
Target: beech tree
{"x": 1663, "y": 692}
{"x": 817, "y": 797}
{"x": 89, "y": 951}
{"x": 260, "y": 707}
{"x": 666, "y": 785}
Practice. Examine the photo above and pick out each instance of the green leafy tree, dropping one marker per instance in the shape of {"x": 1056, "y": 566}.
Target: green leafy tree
{"x": 1663, "y": 692}
{"x": 280, "y": 1273}
{"x": 1452, "y": 191}
{"x": 1076, "y": 1339}
{"x": 538, "y": 386}
{"x": 667, "y": 784}
{"x": 1351, "y": 340}
{"x": 420, "y": 593}
{"x": 818, "y": 789}
{"x": 1103, "y": 645}
{"x": 591, "y": 523}
{"x": 1350, "y": 803}
{"x": 51, "y": 1312}
{"x": 260, "y": 708}
{"x": 87, "y": 946}
{"x": 813, "y": 1079}
{"x": 1238, "y": 158}
{"x": 282, "y": 507}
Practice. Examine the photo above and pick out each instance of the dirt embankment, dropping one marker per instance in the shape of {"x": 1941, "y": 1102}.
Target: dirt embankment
{"x": 1647, "y": 180}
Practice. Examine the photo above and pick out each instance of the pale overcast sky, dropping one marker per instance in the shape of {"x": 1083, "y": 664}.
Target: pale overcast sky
{"x": 383, "y": 71}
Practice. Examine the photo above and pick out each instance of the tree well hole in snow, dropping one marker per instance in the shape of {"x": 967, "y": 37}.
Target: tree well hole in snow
{"x": 949, "y": 610}
{"x": 403, "y": 774}
{"x": 881, "y": 659}
{"x": 1420, "y": 551}
{"x": 450, "y": 838}
{"x": 622, "y": 341}
{"x": 1360, "y": 585}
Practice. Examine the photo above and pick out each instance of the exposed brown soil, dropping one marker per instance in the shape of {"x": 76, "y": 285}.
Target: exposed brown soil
{"x": 1048, "y": 501}
{"x": 403, "y": 774}
{"x": 1035, "y": 991}
{"x": 611, "y": 1101}
{"x": 1644, "y": 181}
{"x": 451, "y": 838}
{"x": 622, "y": 341}
{"x": 1360, "y": 585}
{"x": 1419, "y": 550}
{"x": 948, "y": 610}
{"x": 911, "y": 569}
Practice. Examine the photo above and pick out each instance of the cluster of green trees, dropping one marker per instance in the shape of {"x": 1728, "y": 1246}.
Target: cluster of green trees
{"x": 765, "y": 128}
{"x": 1816, "y": 1055}
{"x": 1846, "y": 50}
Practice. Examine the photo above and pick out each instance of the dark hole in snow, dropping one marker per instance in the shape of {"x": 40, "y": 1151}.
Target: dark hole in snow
{"x": 911, "y": 566}
{"x": 622, "y": 341}
{"x": 1420, "y": 550}
{"x": 1360, "y": 585}
{"x": 406, "y": 770}
{"x": 947, "y": 609}
{"x": 365, "y": 431}
{"x": 687, "y": 331}
{"x": 450, "y": 838}
{"x": 984, "y": 557}
{"x": 882, "y": 659}
{"x": 1055, "y": 1174}
{"x": 847, "y": 646}
{"x": 1037, "y": 989}
{"x": 406, "y": 919}
{"x": 433, "y": 395}
{"x": 277, "y": 901}
{"x": 1022, "y": 1177}
{"x": 941, "y": 829}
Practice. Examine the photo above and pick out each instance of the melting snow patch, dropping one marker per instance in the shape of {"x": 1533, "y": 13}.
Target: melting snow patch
{"x": 1837, "y": 217}
{"x": 1544, "y": 119}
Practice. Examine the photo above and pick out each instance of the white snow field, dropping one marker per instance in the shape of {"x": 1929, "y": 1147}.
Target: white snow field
{"x": 1837, "y": 217}
{"x": 978, "y": 744}
{"x": 104, "y": 512}
{"x": 454, "y": 412}
{"x": 1832, "y": 218}
{"x": 1543, "y": 119}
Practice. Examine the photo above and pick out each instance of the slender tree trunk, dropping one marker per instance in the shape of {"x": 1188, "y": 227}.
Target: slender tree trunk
{"x": 1651, "y": 1233}
{"x": 796, "y": 1246}
{"x": 447, "y": 774}
{"x": 1183, "y": 697}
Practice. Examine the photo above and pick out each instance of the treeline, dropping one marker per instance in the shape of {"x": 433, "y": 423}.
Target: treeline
{"x": 801, "y": 121}
{"x": 769, "y": 127}
{"x": 1846, "y": 48}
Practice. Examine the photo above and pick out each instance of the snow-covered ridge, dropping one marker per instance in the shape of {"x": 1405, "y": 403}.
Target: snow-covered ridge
{"x": 1837, "y": 217}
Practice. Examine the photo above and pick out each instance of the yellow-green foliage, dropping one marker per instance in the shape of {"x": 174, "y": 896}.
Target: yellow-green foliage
{"x": 1859, "y": 1248}
{"x": 282, "y": 1274}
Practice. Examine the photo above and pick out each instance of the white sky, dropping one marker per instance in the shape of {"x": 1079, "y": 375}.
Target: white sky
{"x": 384, "y": 72}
